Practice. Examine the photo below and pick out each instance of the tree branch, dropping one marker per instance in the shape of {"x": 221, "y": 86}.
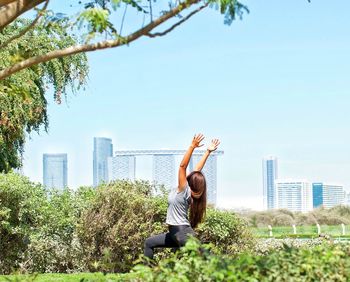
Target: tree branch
{"x": 5, "y": 2}
{"x": 13, "y": 9}
{"x": 152, "y": 35}
{"x": 96, "y": 46}
{"x": 26, "y": 29}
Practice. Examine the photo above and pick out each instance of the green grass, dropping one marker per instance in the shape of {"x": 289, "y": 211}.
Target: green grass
{"x": 309, "y": 231}
{"x": 83, "y": 277}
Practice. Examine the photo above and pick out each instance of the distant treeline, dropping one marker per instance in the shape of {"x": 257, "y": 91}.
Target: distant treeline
{"x": 322, "y": 216}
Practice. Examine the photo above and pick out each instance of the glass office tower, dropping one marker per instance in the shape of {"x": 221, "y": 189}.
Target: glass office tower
{"x": 270, "y": 174}
{"x": 103, "y": 148}
{"x": 55, "y": 170}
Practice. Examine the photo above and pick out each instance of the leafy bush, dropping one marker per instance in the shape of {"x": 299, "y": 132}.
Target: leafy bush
{"x": 21, "y": 204}
{"x": 113, "y": 229}
{"x": 54, "y": 247}
{"x": 226, "y": 231}
{"x": 198, "y": 263}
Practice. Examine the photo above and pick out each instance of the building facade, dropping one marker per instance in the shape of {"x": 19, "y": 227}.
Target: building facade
{"x": 55, "y": 171}
{"x": 121, "y": 167}
{"x": 328, "y": 195}
{"x": 164, "y": 169}
{"x": 103, "y": 148}
{"x": 270, "y": 174}
{"x": 293, "y": 195}
{"x": 317, "y": 195}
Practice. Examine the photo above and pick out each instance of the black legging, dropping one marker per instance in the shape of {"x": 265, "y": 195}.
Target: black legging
{"x": 175, "y": 238}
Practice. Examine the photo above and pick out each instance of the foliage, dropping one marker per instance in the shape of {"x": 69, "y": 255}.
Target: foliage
{"x": 101, "y": 229}
{"x": 21, "y": 204}
{"x": 266, "y": 246}
{"x": 114, "y": 227}
{"x": 226, "y": 231}
{"x": 54, "y": 247}
{"x": 198, "y": 263}
{"x": 59, "y": 277}
{"x": 322, "y": 216}
{"x": 37, "y": 227}
{"x": 23, "y": 105}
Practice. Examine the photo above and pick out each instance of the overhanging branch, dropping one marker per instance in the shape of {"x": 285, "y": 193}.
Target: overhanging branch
{"x": 10, "y": 10}
{"x": 152, "y": 35}
{"x": 26, "y": 29}
{"x": 96, "y": 46}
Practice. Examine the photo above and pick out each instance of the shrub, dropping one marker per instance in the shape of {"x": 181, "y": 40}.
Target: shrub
{"x": 198, "y": 263}
{"x": 21, "y": 204}
{"x": 54, "y": 246}
{"x": 101, "y": 229}
{"x": 228, "y": 232}
{"x": 113, "y": 229}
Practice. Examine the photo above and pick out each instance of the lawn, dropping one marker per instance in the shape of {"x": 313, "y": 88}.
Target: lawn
{"x": 302, "y": 231}
{"x": 83, "y": 277}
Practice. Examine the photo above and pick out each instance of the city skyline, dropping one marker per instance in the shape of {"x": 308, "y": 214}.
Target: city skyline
{"x": 122, "y": 165}
{"x": 259, "y": 87}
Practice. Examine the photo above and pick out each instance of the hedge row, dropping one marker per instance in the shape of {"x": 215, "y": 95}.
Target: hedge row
{"x": 92, "y": 229}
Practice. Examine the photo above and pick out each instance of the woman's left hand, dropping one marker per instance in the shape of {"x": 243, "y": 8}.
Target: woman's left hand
{"x": 213, "y": 145}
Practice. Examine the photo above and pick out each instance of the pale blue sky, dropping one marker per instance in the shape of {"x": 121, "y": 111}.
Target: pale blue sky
{"x": 276, "y": 82}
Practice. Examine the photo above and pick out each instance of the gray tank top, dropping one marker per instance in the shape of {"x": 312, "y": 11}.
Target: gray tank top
{"x": 178, "y": 205}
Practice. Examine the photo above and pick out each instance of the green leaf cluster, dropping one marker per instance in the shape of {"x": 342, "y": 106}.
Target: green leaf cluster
{"x": 23, "y": 96}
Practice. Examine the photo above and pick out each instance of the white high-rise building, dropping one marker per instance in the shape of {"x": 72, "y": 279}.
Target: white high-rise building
{"x": 270, "y": 174}
{"x": 103, "y": 148}
{"x": 55, "y": 171}
{"x": 347, "y": 198}
{"x": 293, "y": 195}
{"x": 121, "y": 167}
{"x": 333, "y": 195}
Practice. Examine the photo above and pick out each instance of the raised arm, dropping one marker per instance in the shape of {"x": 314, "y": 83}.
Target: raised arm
{"x": 196, "y": 142}
{"x": 212, "y": 147}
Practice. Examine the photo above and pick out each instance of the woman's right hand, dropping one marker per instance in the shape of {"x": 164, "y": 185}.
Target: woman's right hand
{"x": 196, "y": 141}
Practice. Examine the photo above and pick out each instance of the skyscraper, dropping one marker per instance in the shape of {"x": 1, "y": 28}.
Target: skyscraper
{"x": 270, "y": 174}
{"x": 103, "y": 148}
{"x": 210, "y": 172}
{"x": 164, "y": 170}
{"x": 55, "y": 170}
{"x": 293, "y": 195}
{"x": 327, "y": 195}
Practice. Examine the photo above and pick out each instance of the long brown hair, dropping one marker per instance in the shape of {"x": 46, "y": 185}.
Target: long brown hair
{"x": 197, "y": 183}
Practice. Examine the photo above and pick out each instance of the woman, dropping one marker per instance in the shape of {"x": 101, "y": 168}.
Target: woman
{"x": 191, "y": 193}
